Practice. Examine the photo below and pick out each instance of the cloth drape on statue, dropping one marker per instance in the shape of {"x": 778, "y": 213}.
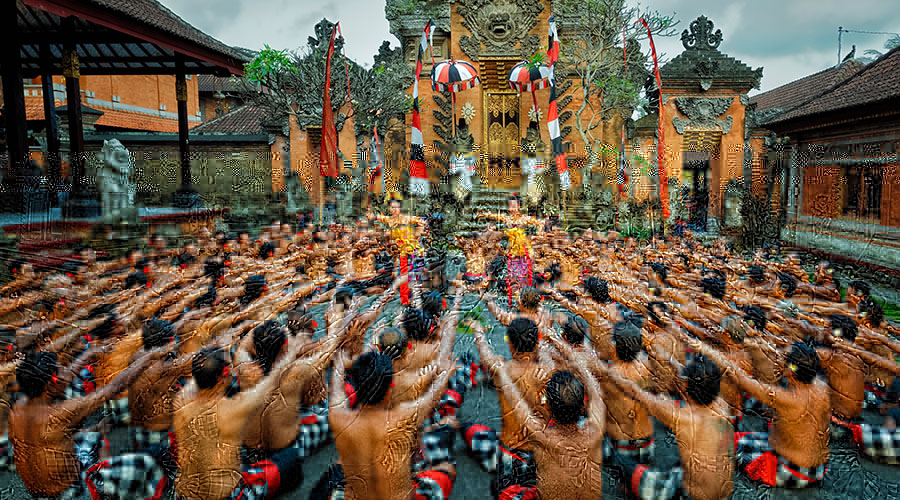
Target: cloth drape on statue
{"x": 552, "y": 111}
{"x": 328, "y": 161}
{"x": 418, "y": 175}
{"x": 663, "y": 178}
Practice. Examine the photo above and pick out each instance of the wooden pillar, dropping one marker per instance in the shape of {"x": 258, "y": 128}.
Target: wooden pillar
{"x": 51, "y": 121}
{"x": 12, "y": 199}
{"x": 82, "y": 202}
{"x": 73, "y": 112}
{"x": 186, "y": 196}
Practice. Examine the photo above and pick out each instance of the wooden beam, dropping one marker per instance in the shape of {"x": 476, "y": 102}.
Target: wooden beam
{"x": 14, "y": 112}
{"x": 183, "y": 144}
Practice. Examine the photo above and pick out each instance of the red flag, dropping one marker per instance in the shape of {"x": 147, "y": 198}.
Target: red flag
{"x": 663, "y": 178}
{"x": 328, "y": 161}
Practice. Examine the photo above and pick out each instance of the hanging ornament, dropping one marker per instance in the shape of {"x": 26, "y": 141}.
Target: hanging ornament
{"x": 468, "y": 113}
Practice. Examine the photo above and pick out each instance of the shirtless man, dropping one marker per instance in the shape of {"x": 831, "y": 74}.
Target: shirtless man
{"x": 529, "y": 307}
{"x": 509, "y": 453}
{"x": 629, "y": 428}
{"x": 568, "y": 456}
{"x": 795, "y": 453}
{"x": 51, "y": 458}
{"x": 279, "y": 424}
{"x": 209, "y": 428}
{"x": 376, "y": 440}
{"x": 596, "y": 312}
{"x": 703, "y": 431}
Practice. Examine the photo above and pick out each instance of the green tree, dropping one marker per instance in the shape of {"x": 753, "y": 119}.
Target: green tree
{"x": 608, "y": 80}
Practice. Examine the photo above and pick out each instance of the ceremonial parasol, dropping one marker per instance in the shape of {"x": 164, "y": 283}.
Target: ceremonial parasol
{"x": 454, "y": 76}
{"x": 528, "y": 76}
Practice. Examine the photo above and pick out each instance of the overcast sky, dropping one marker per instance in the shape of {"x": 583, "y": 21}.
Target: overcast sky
{"x": 788, "y": 38}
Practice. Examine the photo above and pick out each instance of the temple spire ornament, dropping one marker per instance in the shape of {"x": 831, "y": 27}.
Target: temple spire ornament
{"x": 701, "y": 35}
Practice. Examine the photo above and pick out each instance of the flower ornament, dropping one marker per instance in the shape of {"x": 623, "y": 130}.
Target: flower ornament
{"x": 535, "y": 114}
{"x": 468, "y": 112}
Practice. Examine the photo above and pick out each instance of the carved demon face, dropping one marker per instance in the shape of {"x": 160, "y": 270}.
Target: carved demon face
{"x": 501, "y": 19}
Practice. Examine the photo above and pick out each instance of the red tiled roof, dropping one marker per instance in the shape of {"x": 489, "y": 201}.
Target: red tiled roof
{"x": 799, "y": 91}
{"x": 875, "y": 83}
{"x": 245, "y": 120}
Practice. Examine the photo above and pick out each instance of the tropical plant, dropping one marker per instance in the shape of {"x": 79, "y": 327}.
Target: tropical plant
{"x": 608, "y": 76}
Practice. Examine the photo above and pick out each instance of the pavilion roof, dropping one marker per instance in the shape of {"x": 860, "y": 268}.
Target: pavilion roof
{"x": 877, "y": 82}
{"x": 801, "y": 90}
{"x": 119, "y": 37}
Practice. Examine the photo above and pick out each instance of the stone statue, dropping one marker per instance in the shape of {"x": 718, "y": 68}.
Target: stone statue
{"x": 532, "y": 164}
{"x": 295, "y": 194}
{"x": 463, "y": 161}
{"x": 114, "y": 180}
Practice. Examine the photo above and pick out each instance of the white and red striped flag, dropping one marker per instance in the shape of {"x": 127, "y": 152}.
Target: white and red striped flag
{"x": 418, "y": 174}
{"x": 559, "y": 155}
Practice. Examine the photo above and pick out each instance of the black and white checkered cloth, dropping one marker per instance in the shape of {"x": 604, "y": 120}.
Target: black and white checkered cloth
{"x": 314, "y": 429}
{"x": 126, "y": 477}
{"x": 760, "y": 462}
{"x": 652, "y": 483}
{"x": 436, "y": 446}
{"x": 141, "y": 439}
{"x": 515, "y": 467}
{"x": 7, "y": 461}
{"x": 460, "y": 382}
{"x": 482, "y": 445}
{"x": 82, "y": 385}
{"x": 641, "y": 451}
{"x": 117, "y": 411}
{"x": 879, "y": 444}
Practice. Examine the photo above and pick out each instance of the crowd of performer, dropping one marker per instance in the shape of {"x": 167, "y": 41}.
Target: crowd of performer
{"x": 209, "y": 355}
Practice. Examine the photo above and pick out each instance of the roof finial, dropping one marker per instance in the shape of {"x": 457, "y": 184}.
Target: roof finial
{"x": 701, "y": 35}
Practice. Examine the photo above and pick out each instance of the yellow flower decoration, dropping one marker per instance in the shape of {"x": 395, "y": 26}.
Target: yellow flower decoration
{"x": 519, "y": 245}
{"x": 406, "y": 241}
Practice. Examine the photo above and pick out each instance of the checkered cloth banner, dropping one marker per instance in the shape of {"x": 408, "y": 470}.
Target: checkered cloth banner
{"x": 418, "y": 175}
{"x": 553, "y": 111}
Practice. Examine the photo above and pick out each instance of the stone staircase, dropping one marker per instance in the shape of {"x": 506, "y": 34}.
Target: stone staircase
{"x": 483, "y": 200}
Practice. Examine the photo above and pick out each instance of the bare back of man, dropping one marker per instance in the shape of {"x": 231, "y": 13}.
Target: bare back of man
{"x": 800, "y": 429}
{"x": 626, "y": 419}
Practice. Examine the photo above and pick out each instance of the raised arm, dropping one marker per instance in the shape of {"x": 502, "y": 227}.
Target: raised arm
{"x": 246, "y": 402}
{"x": 81, "y": 408}
{"x": 768, "y": 395}
{"x": 868, "y": 357}
{"x": 337, "y": 399}
{"x": 503, "y": 317}
{"x": 571, "y": 306}
{"x": 665, "y": 410}
{"x": 430, "y": 399}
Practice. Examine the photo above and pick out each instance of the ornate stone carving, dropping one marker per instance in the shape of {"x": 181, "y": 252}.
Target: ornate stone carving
{"x": 497, "y": 25}
{"x": 702, "y": 63}
{"x": 734, "y": 195}
{"x": 703, "y": 112}
{"x": 701, "y": 35}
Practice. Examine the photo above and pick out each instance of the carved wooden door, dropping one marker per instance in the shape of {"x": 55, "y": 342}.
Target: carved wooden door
{"x": 502, "y": 124}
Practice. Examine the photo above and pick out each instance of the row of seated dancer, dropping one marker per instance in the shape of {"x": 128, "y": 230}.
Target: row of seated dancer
{"x": 208, "y": 355}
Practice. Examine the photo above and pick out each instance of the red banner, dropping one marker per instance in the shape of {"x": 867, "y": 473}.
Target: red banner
{"x": 661, "y": 156}
{"x": 328, "y": 159}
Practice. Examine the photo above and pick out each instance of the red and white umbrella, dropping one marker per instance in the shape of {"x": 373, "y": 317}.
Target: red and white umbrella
{"x": 528, "y": 76}
{"x": 453, "y": 76}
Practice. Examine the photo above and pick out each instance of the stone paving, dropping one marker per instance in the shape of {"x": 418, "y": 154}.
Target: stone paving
{"x": 849, "y": 476}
